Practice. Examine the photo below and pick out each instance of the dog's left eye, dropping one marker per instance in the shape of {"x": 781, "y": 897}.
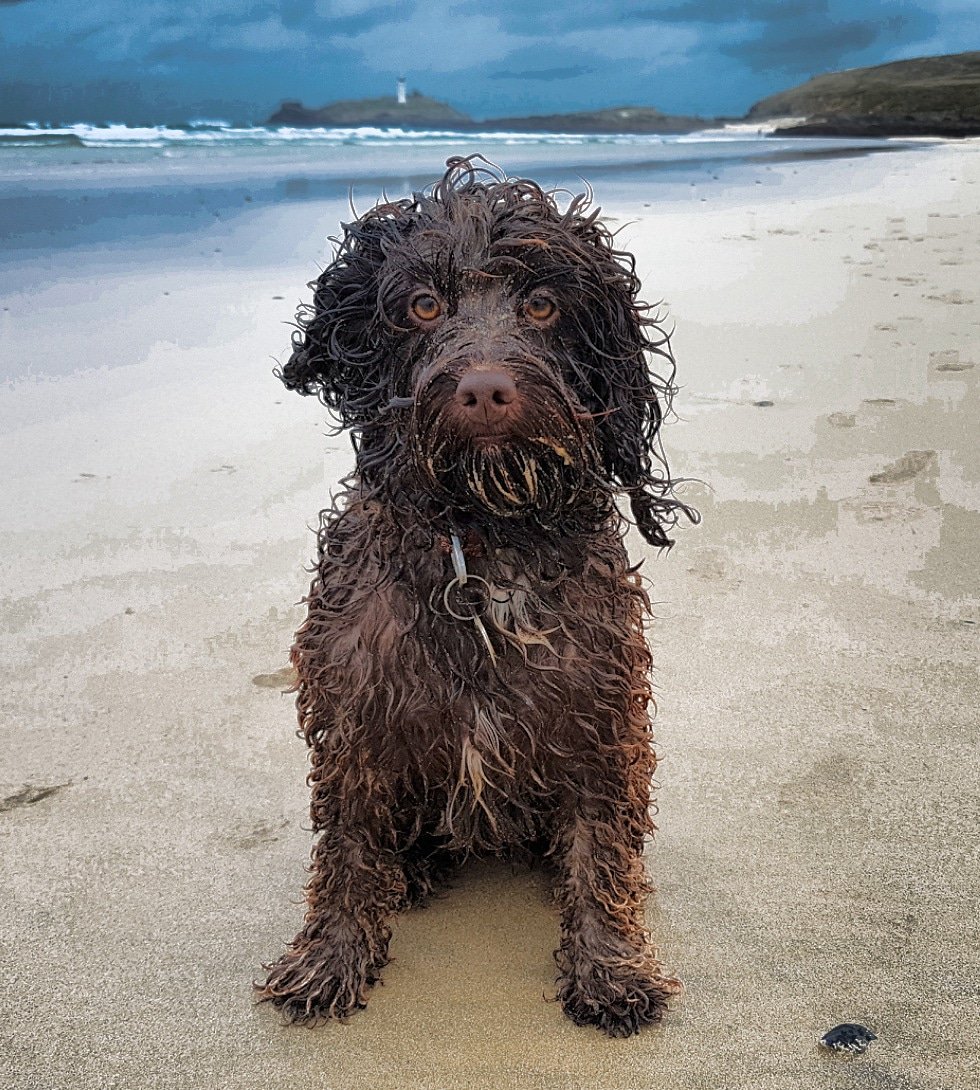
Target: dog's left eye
{"x": 540, "y": 308}
{"x": 426, "y": 307}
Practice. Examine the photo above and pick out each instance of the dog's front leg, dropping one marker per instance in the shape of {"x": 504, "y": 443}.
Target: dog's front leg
{"x": 609, "y": 975}
{"x": 354, "y": 888}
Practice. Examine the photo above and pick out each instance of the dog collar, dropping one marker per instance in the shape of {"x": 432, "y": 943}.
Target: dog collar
{"x": 455, "y": 603}
{"x": 469, "y": 543}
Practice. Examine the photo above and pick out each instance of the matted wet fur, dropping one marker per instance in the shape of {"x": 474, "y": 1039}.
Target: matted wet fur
{"x": 473, "y": 674}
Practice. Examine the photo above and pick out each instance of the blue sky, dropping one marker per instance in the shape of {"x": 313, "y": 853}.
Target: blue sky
{"x": 163, "y": 60}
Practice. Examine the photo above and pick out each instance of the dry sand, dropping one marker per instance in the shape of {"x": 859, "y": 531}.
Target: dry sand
{"x": 816, "y": 640}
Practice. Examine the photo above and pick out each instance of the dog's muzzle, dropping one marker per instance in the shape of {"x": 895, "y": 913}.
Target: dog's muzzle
{"x": 486, "y": 403}
{"x": 501, "y": 437}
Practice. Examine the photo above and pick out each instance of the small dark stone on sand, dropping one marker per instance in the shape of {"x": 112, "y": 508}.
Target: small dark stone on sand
{"x": 848, "y": 1037}
{"x": 764, "y": 404}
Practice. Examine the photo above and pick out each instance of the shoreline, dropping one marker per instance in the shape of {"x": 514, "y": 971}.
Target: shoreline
{"x": 48, "y": 168}
{"x": 224, "y": 224}
{"x": 815, "y": 640}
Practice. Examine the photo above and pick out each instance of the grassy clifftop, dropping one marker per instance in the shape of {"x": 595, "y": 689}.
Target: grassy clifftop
{"x": 616, "y": 119}
{"x": 928, "y": 94}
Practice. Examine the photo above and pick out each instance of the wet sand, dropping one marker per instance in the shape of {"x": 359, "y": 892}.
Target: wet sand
{"x": 816, "y": 641}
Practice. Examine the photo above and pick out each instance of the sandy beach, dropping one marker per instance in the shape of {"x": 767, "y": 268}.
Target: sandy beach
{"x": 815, "y": 639}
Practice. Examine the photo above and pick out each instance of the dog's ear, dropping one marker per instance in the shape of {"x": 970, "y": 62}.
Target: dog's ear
{"x": 341, "y": 348}
{"x": 627, "y": 378}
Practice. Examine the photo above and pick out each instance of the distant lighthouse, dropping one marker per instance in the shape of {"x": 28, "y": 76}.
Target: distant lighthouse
{"x": 400, "y": 92}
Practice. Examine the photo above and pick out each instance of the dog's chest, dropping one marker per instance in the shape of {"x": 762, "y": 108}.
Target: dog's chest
{"x": 506, "y": 607}
{"x": 496, "y": 628}
{"x": 479, "y": 686}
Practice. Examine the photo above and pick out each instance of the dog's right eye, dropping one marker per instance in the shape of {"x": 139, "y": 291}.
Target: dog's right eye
{"x": 540, "y": 308}
{"x": 426, "y": 307}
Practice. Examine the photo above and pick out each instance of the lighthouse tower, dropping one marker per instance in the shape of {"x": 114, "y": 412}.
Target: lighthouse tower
{"x": 400, "y": 91}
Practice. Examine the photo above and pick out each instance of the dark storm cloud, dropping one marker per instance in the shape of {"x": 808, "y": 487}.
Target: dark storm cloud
{"x": 723, "y": 11}
{"x": 831, "y": 41}
{"x": 683, "y": 56}
{"x": 793, "y": 53}
{"x": 546, "y": 74}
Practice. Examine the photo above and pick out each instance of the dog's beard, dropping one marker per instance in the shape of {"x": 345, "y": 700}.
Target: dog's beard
{"x": 533, "y": 466}
{"x": 536, "y": 475}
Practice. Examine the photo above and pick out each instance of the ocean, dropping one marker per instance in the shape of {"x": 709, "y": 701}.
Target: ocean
{"x": 82, "y": 184}
{"x": 101, "y": 226}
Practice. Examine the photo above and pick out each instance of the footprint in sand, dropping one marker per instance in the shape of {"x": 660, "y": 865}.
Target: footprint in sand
{"x": 906, "y": 468}
{"x": 953, "y": 298}
{"x": 949, "y": 360}
{"x": 285, "y": 678}
{"x": 265, "y": 832}
{"x": 710, "y": 565}
{"x": 29, "y": 794}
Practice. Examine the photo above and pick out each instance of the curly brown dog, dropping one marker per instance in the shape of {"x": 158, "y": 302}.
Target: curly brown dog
{"x": 473, "y": 675}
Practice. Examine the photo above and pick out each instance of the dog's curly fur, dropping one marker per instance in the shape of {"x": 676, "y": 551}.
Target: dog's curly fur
{"x": 486, "y": 347}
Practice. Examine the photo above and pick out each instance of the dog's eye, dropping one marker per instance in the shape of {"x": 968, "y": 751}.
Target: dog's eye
{"x": 540, "y": 308}
{"x": 426, "y": 307}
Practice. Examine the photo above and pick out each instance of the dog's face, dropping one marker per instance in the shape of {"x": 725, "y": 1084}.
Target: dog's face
{"x": 495, "y": 341}
{"x": 491, "y": 361}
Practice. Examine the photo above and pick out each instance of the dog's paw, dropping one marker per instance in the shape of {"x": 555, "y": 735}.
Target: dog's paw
{"x": 619, "y": 998}
{"x": 311, "y": 985}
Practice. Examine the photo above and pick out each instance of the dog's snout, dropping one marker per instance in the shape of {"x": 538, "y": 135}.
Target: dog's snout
{"x": 486, "y": 395}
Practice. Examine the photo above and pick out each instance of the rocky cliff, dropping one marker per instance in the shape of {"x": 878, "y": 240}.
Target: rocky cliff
{"x": 419, "y": 111}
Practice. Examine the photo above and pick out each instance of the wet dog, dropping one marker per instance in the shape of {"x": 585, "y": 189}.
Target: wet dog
{"x": 473, "y": 674}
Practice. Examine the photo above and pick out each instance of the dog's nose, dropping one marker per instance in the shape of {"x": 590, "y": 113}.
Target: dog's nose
{"x": 486, "y": 395}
